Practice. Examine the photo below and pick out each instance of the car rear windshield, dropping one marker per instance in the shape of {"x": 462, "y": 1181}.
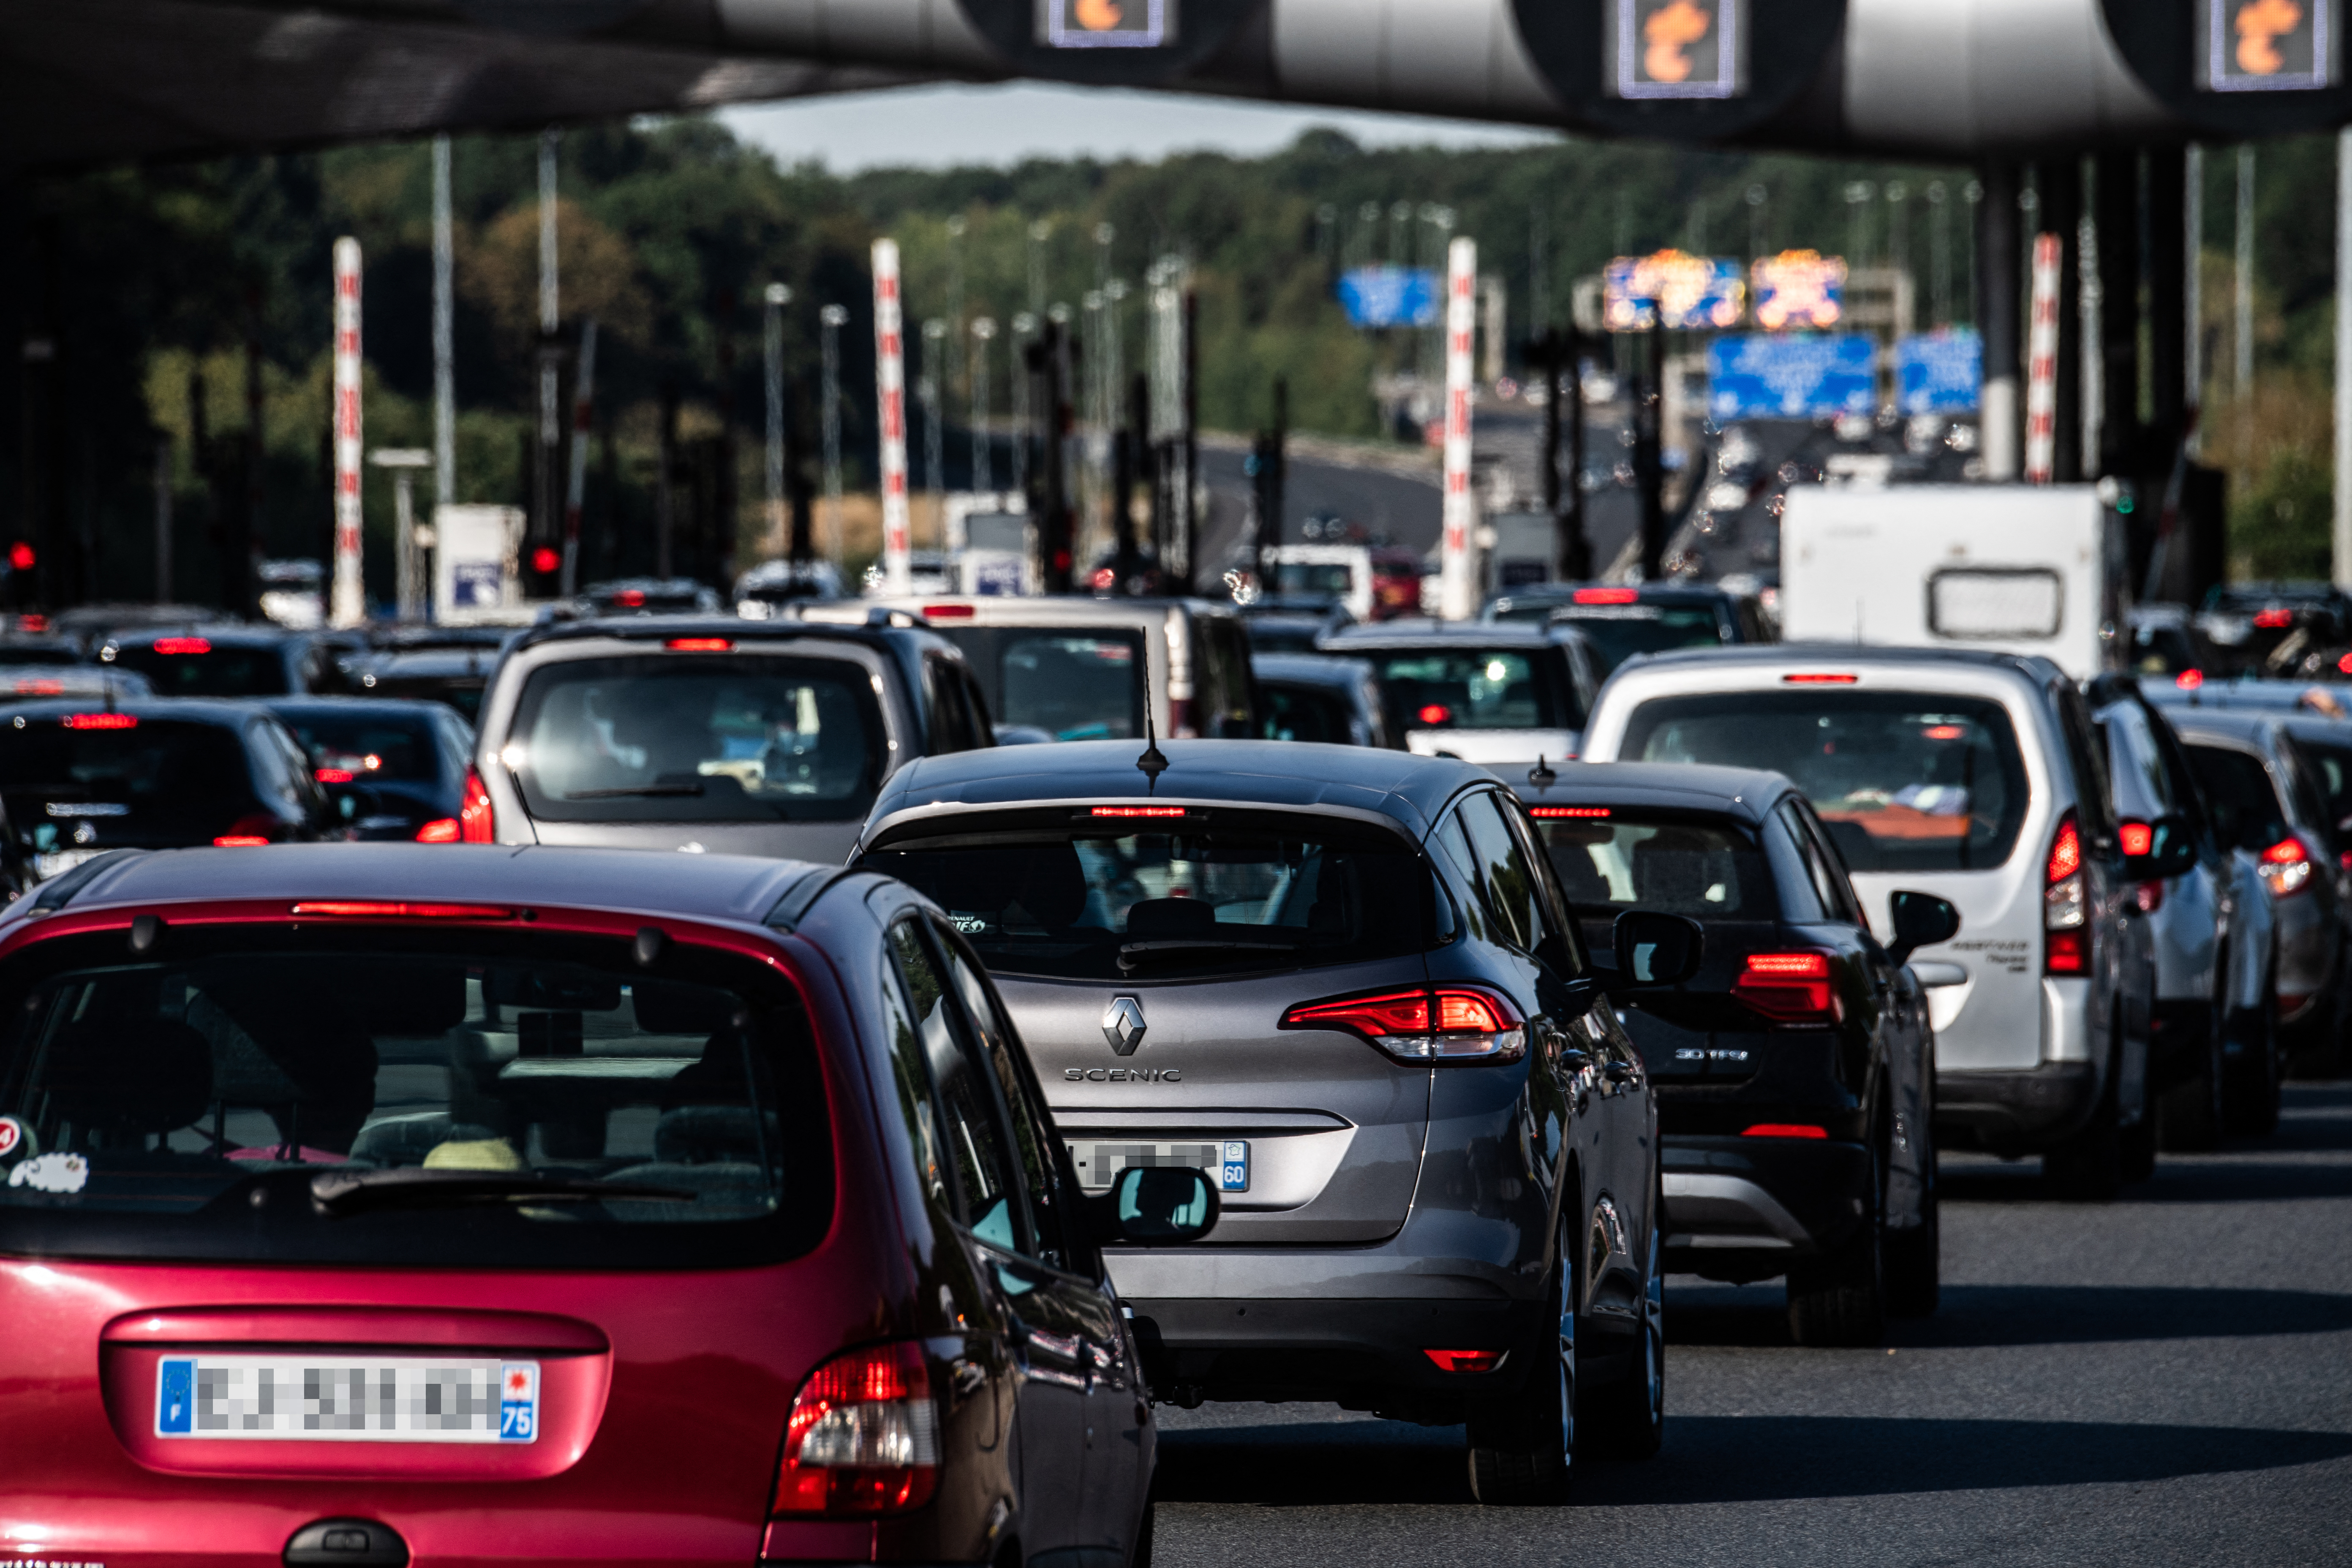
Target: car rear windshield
{"x": 1618, "y": 631}
{"x": 1904, "y": 781}
{"x": 168, "y": 764}
{"x": 697, "y": 737}
{"x": 366, "y": 747}
{"x": 1104, "y": 902}
{"x": 1306, "y": 713}
{"x": 1477, "y": 689}
{"x": 340, "y": 1094}
{"x": 2247, "y": 812}
{"x": 196, "y": 667}
{"x": 463, "y": 692}
{"x": 1675, "y": 862}
{"x": 1333, "y": 577}
{"x": 1076, "y": 684}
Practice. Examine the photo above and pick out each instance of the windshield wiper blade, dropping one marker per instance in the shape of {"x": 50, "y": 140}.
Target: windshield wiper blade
{"x": 633, "y": 792}
{"x": 339, "y": 1192}
{"x": 1133, "y": 955}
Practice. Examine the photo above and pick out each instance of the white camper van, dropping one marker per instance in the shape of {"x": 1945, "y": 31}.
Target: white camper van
{"x": 2029, "y": 569}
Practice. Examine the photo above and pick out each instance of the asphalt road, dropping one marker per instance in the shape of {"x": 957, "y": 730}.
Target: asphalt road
{"x": 2166, "y": 1380}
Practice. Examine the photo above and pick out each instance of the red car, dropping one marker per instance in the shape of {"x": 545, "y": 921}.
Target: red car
{"x": 371, "y": 1204}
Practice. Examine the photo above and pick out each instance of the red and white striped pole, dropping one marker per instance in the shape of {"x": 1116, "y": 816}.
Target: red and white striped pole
{"x": 890, "y": 385}
{"x": 349, "y": 603}
{"x": 1457, "y": 583}
{"x": 2041, "y": 364}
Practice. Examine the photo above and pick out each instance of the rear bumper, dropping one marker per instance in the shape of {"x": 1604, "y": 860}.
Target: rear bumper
{"x": 1359, "y": 1353}
{"x": 2016, "y": 1112}
{"x": 1744, "y": 1208}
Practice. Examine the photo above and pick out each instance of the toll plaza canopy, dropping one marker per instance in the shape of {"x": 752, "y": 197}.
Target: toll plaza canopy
{"x": 98, "y": 81}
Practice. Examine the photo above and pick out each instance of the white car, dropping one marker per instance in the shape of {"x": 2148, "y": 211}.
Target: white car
{"x": 1974, "y": 777}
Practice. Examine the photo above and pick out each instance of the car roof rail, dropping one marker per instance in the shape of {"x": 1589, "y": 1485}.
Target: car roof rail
{"x": 58, "y": 892}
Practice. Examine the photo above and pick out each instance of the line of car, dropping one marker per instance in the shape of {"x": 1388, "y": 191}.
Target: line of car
{"x": 977, "y": 1095}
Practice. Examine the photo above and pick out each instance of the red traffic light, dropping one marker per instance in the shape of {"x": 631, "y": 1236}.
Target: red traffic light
{"x": 21, "y": 556}
{"x": 545, "y": 559}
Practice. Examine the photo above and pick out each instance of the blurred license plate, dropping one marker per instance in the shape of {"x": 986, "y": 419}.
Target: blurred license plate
{"x": 1227, "y": 1160}
{"x": 59, "y": 862}
{"x": 380, "y": 1399}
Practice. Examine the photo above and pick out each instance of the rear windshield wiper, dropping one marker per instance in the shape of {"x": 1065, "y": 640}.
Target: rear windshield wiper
{"x": 1133, "y": 956}
{"x": 351, "y": 1192}
{"x": 634, "y": 792}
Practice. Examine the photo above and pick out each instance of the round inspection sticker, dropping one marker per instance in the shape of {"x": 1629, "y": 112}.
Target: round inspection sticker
{"x": 12, "y": 1134}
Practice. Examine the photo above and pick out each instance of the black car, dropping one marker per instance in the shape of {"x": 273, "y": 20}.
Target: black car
{"x": 401, "y": 765}
{"x": 1793, "y": 1070}
{"x": 1291, "y": 626}
{"x": 1342, "y": 981}
{"x": 1621, "y": 620}
{"x": 226, "y": 662}
{"x": 156, "y": 774}
{"x": 456, "y": 676}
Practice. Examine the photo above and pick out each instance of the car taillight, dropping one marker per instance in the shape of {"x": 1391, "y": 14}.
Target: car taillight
{"x": 863, "y": 1437}
{"x": 1449, "y": 1024}
{"x": 1466, "y": 1360}
{"x": 1785, "y": 1130}
{"x": 477, "y": 822}
{"x": 1790, "y": 988}
{"x": 250, "y": 832}
{"x": 2066, "y": 938}
{"x": 2286, "y": 867}
{"x": 440, "y": 830}
{"x": 2137, "y": 838}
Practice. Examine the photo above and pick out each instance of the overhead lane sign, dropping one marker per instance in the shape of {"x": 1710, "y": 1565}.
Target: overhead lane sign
{"x": 1388, "y": 295}
{"x": 1760, "y": 376}
{"x": 1673, "y": 289}
{"x": 1939, "y": 372}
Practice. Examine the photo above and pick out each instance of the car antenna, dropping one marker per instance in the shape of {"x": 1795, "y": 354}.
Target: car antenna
{"x": 1153, "y": 762}
{"x": 1541, "y": 776}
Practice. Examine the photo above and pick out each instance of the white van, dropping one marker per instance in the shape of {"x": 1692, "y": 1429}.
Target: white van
{"x": 1978, "y": 778}
{"x": 2031, "y": 569}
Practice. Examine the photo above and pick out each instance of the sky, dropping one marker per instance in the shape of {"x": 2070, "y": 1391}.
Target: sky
{"x": 940, "y": 126}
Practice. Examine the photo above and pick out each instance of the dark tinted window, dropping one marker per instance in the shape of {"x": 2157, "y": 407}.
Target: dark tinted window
{"x": 2331, "y": 767}
{"x": 1675, "y": 862}
{"x": 1106, "y": 903}
{"x": 1221, "y": 676}
{"x": 2247, "y": 812}
{"x": 701, "y": 738}
{"x": 1033, "y": 1128}
{"x": 950, "y": 718}
{"x": 987, "y": 1187}
{"x": 463, "y": 692}
{"x": 1904, "y": 781}
{"x": 1306, "y": 713}
{"x": 366, "y": 747}
{"x": 201, "y": 668}
{"x": 1477, "y": 689}
{"x": 1076, "y": 685}
{"x": 182, "y": 1107}
{"x": 1618, "y": 631}
{"x": 139, "y": 761}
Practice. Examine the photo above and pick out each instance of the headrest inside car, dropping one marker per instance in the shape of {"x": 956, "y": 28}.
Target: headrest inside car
{"x": 130, "y": 1076}
{"x": 1161, "y": 920}
{"x": 667, "y": 1009}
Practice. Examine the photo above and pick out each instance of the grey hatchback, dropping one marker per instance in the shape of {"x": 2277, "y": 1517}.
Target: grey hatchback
{"x": 1345, "y": 982}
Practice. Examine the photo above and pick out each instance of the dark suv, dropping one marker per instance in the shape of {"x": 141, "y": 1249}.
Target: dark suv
{"x": 1344, "y": 981}
{"x": 1794, "y": 1072}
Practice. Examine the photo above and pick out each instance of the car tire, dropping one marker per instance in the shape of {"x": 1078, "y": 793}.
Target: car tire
{"x": 1522, "y": 1448}
{"x": 2250, "y": 1088}
{"x": 2189, "y": 1114}
{"x": 1841, "y": 1298}
{"x": 2088, "y": 1166}
{"x": 1914, "y": 1259}
{"x": 1140, "y": 1555}
{"x": 1627, "y": 1419}
{"x": 2138, "y": 1146}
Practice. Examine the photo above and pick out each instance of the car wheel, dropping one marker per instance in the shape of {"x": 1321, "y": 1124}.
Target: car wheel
{"x": 1914, "y": 1257}
{"x": 2249, "y": 1090}
{"x": 1521, "y": 1447}
{"x": 1627, "y": 1419}
{"x": 1841, "y": 1298}
{"x": 2088, "y": 1167}
{"x": 1140, "y": 1556}
{"x": 2138, "y": 1145}
{"x": 2189, "y": 1115}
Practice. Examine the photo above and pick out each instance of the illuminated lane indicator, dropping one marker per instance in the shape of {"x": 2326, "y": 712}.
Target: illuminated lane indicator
{"x": 1678, "y": 48}
{"x": 1106, "y": 23}
{"x": 2268, "y": 46}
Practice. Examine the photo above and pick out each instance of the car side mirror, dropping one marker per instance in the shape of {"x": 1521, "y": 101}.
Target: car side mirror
{"x": 1655, "y": 948}
{"x": 2159, "y": 851}
{"x": 1921, "y": 920}
{"x": 1157, "y": 1207}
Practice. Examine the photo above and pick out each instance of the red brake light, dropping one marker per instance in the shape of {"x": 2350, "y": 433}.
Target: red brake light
{"x": 2190, "y": 680}
{"x": 378, "y": 909}
{"x": 545, "y": 560}
{"x": 1785, "y": 1130}
{"x": 1607, "y": 595}
{"x": 2270, "y": 620}
{"x": 862, "y": 1437}
{"x": 1818, "y": 680}
{"x": 2066, "y": 952}
{"x": 477, "y": 822}
{"x": 440, "y": 830}
{"x": 1790, "y": 988}
{"x": 40, "y": 687}
{"x": 1139, "y": 811}
{"x": 1436, "y": 713}
{"x": 2285, "y": 852}
{"x": 701, "y": 645}
{"x": 1547, "y": 812}
{"x": 334, "y": 775}
{"x": 1468, "y": 1025}
{"x": 948, "y": 612}
{"x": 182, "y": 644}
{"x": 1944, "y": 732}
{"x": 2286, "y": 867}
{"x": 630, "y": 598}
{"x": 2065, "y": 905}
{"x": 2139, "y": 838}
{"x": 100, "y": 722}
{"x": 1466, "y": 1360}
{"x": 2344, "y": 665}
{"x": 239, "y": 841}
{"x": 1395, "y": 1013}
{"x": 2065, "y": 851}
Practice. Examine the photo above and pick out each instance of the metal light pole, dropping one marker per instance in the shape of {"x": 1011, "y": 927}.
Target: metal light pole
{"x": 832, "y": 318}
{"x": 774, "y": 299}
{"x": 551, "y": 321}
{"x": 983, "y": 459}
{"x": 2243, "y": 345}
{"x": 1024, "y": 329}
{"x": 1939, "y": 254}
{"x": 444, "y": 353}
{"x": 955, "y": 366}
{"x": 936, "y": 336}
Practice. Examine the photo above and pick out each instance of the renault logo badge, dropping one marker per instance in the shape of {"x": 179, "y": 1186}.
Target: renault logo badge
{"x": 1123, "y": 1024}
